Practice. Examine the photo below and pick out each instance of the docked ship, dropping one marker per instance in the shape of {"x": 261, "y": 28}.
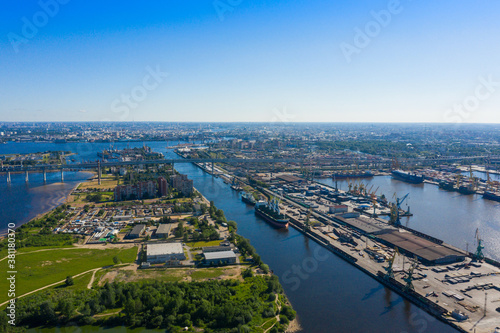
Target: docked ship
{"x": 446, "y": 185}
{"x": 467, "y": 189}
{"x": 408, "y": 176}
{"x": 495, "y": 196}
{"x": 345, "y": 175}
{"x": 270, "y": 211}
{"x": 248, "y": 198}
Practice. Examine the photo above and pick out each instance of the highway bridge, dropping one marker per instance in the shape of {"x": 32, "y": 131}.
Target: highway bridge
{"x": 340, "y": 161}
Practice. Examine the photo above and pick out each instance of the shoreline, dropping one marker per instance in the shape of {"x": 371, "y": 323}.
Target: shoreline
{"x": 64, "y": 200}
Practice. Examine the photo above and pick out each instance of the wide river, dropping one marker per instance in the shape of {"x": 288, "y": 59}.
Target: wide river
{"x": 329, "y": 294}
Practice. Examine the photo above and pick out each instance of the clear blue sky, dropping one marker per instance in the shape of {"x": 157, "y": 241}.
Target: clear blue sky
{"x": 233, "y": 60}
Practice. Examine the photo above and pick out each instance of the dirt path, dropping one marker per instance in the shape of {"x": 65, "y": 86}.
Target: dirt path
{"x": 51, "y": 285}
{"x": 43, "y": 250}
{"x": 277, "y": 317}
{"x": 89, "y": 286}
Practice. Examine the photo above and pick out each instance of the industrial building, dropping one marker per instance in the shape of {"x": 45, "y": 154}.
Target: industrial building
{"x": 163, "y": 230}
{"x": 428, "y": 252}
{"x": 165, "y": 253}
{"x": 137, "y": 231}
{"x": 219, "y": 258}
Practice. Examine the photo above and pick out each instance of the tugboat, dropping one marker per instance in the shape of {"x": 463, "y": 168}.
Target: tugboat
{"x": 270, "y": 211}
{"x": 248, "y": 198}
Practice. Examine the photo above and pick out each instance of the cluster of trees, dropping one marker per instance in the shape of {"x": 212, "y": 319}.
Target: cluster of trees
{"x": 246, "y": 249}
{"x": 95, "y": 197}
{"x": 183, "y": 207}
{"x": 207, "y": 232}
{"x": 222, "y": 306}
{"x": 384, "y": 148}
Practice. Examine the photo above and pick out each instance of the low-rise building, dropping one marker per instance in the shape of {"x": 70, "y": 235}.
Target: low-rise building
{"x": 137, "y": 231}
{"x": 165, "y": 253}
{"x": 219, "y": 258}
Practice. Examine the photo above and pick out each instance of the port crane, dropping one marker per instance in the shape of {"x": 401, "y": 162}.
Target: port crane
{"x": 409, "y": 277}
{"x": 307, "y": 224}
{"x": 390, "y": 268}
{"x": 399, "y": 202}
{"x": 478, "y": 255}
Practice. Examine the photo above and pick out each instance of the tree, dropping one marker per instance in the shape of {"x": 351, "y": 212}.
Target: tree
{"x": 69, "y": 281}
{"x": 116, "y": 260}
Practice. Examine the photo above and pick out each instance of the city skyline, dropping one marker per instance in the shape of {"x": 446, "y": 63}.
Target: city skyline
{"x": 222, "y": 61}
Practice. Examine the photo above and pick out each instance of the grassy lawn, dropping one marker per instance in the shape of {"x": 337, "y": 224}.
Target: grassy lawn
{"x": 203, "y": 244}
{"x": 81, "y": 282}
{"x": 206, "y": 273}
{"x": 38, "y": 269}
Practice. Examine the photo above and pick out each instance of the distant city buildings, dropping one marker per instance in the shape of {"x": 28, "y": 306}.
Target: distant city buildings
{"x": 182, "y": 184}
{"x": 151, "y": 189}
{"x": 162, "y": 186}
{"x": 141, "y": 190}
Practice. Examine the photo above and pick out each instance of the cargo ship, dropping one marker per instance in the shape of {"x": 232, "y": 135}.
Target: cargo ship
{"x": 446, "y": 185}
{"x": 270, "y": 212}
{"x": 467, "y": 189}
{"x": 495, "y": 196}
{"x": 345, "y": 175}
{"x": 248, "y": 198}
{"x": 408, "y": 176}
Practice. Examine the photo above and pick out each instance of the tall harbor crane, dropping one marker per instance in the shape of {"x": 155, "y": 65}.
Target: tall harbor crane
{"x": 409, "y": 277}
{"x": 389, "y": 269}
{"x": 399, "y": 202}
{"x": 478, "y": 255}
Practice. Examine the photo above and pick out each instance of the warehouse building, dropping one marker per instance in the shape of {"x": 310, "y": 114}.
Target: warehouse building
{"x": 165, "y": 253}
{"x": 163, "y": 230}
{"x": 218, "y": 258}
{"x": 137, "y": 231}
{"x": 428, "y": 252}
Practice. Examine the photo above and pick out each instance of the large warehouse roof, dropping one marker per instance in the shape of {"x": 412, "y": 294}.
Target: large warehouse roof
{"x": 164, "y": 249}
{"x": 219, "y": 255}
{"x": 419, "y": 246}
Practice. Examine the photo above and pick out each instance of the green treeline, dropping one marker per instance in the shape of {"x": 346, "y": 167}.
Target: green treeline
{"x": 214, "y": 306}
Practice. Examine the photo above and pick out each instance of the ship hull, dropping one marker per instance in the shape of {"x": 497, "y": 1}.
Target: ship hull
{"x": 271, "y": 220}
{"x": 408, "y": 178}
{"x": 491, "y": 196}
{"x": 358, "y": 175}
{"x": 247, "y": 201}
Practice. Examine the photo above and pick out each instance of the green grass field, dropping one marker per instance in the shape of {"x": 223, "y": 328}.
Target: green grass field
{"x": 38, "y": 269}
{"x": 203, "y": 244}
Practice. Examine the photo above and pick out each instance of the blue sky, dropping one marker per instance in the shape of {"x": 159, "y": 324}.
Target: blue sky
{"x": 241, "y": 60}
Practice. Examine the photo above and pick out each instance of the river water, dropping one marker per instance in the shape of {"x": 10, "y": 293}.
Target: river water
{"x": 329, "y": 294}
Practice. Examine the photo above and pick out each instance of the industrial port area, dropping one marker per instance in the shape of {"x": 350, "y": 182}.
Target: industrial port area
{"x": 461, "y": 288}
